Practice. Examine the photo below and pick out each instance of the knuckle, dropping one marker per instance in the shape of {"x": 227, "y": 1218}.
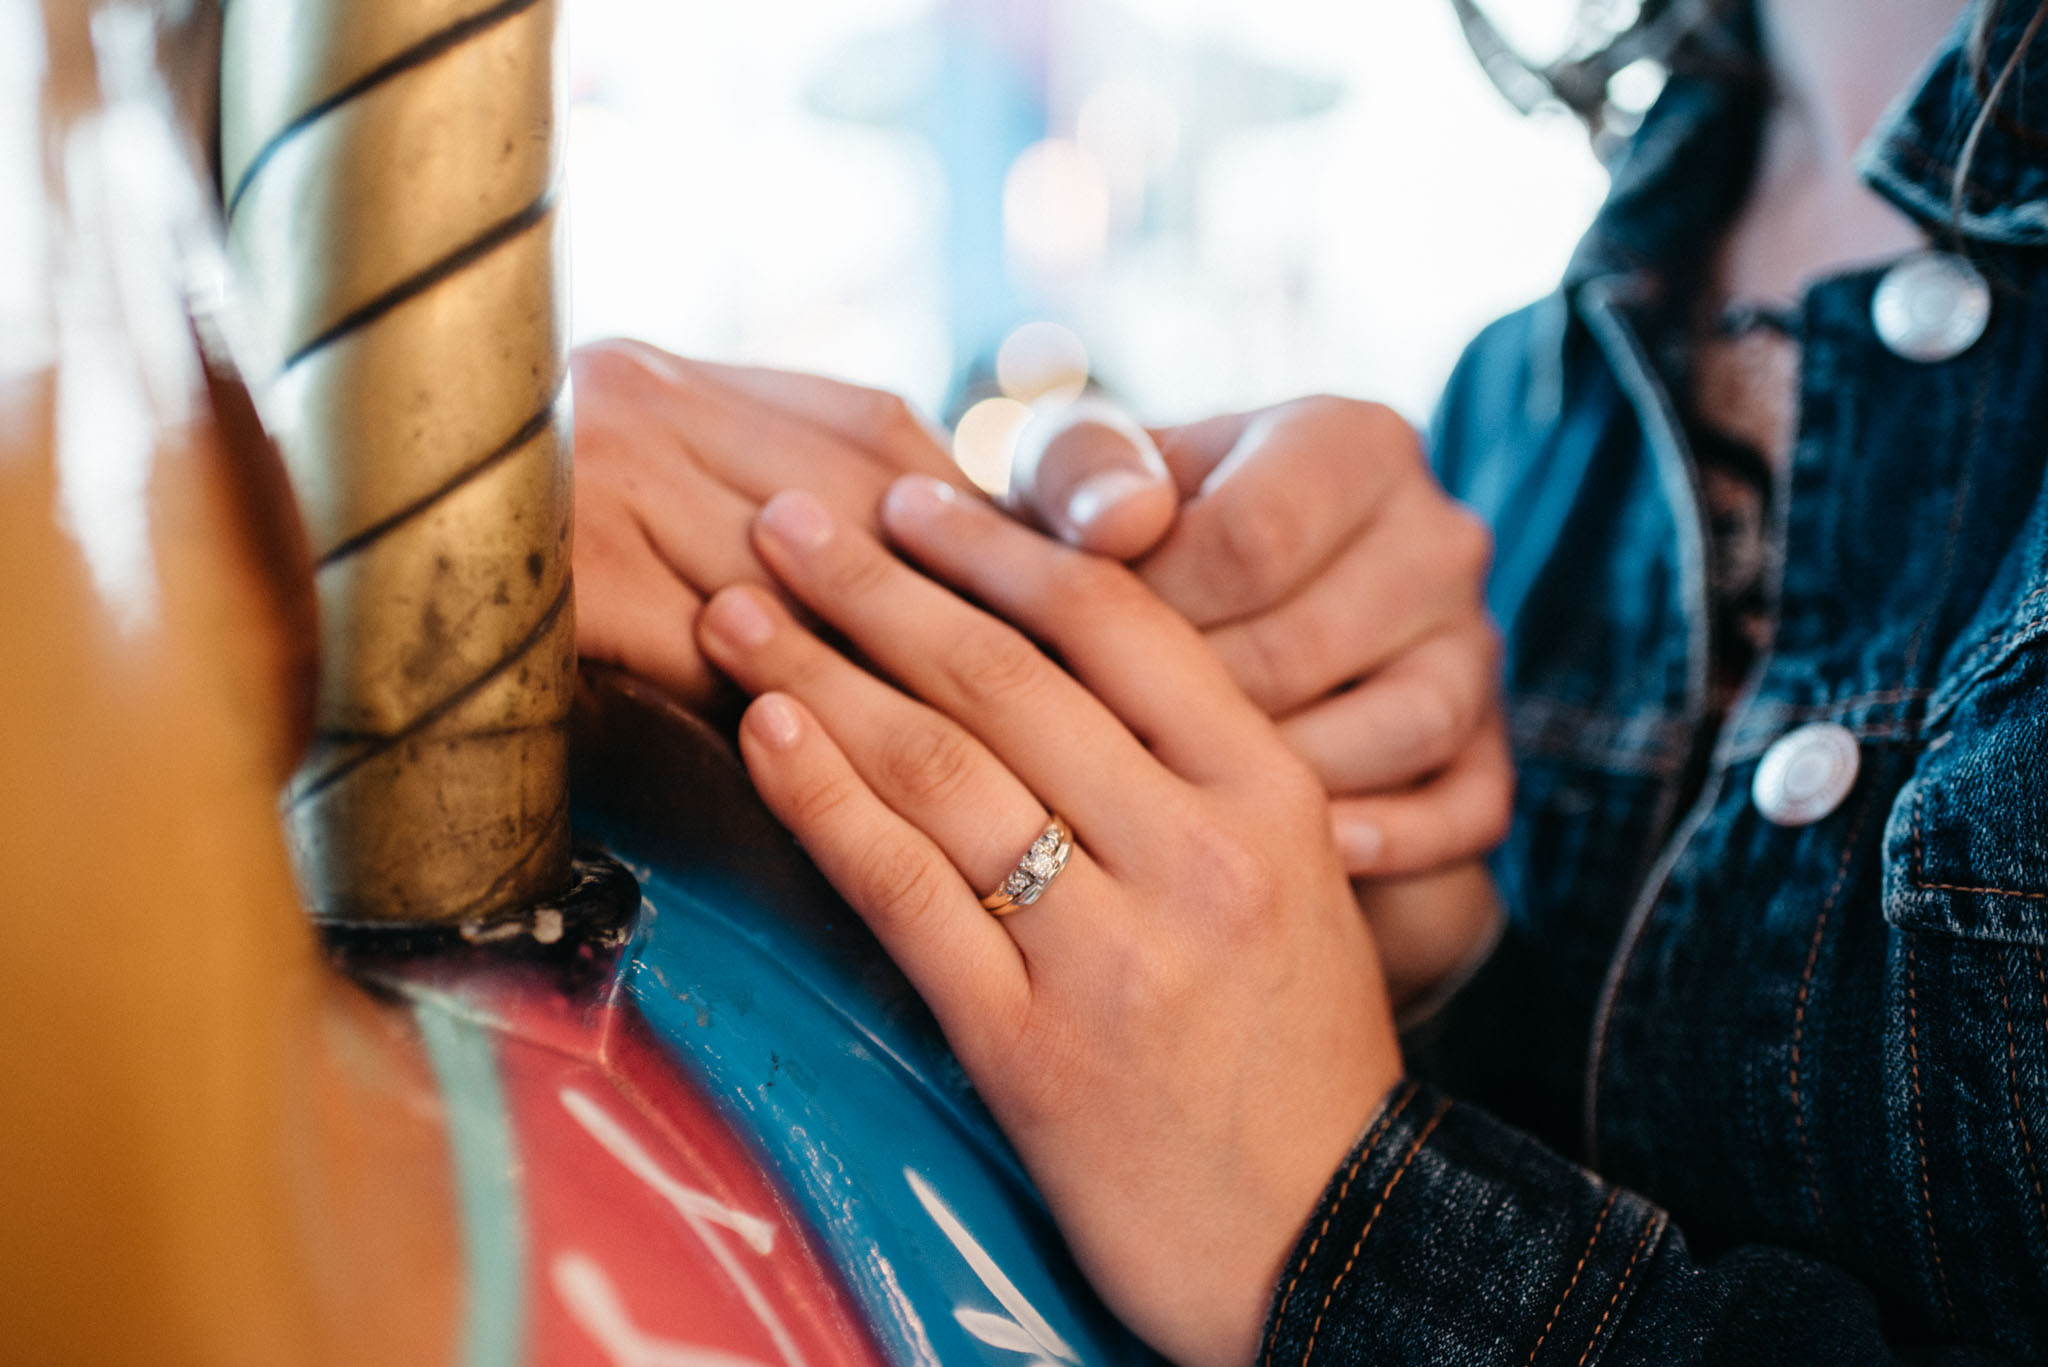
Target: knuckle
{"x": 1256, "y": 545}
{"x": 1228, "y": 871}
{"x": 854, "y": 570}
{"x": 1433, "y": 725}
{"x": 1287, "y": 654}
{"x": 1393, "y": 435}
{"x": 900, "y": 886}
{"x": 610, "y": 366}
{"x": 1496, "y": 817}
{"x": 1095, "y": 584}
{"x": 1492, "y": 806}
{"x": 1151, "y": 983}
{"x": 926, "y": 763}
{"x": 995, "y": 665}
{"x": 1493, "y": 652}
{"x": 1503, "y": 789}
{"x": 817, "y": 804}
{"x": 1468, "y": 541}
{"x": 891, "y": 418}
{"x": 1374, "y": 431}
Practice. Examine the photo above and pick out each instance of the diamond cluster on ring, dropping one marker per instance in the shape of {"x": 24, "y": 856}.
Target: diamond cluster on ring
{"x": 1035, "y": 869}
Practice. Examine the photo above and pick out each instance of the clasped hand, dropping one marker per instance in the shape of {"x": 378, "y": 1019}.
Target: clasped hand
{"x": 1308, "y": 543}
{"x": 1183, "y": 1036}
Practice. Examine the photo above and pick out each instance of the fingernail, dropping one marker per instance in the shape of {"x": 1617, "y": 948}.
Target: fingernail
{"x": 798, "y": 520}
{"x": 1359, "y": 842}
{"x": 1097, "y": 494}
{"x": 738, "y": 618}
{"x": 917, "y": 499}
{"x": 774, "y": 720}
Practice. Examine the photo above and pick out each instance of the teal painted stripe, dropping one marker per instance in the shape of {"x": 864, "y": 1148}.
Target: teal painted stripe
{"x": 487, "y": 1185}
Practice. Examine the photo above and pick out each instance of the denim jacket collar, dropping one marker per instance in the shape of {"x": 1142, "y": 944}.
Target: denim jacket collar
{"x": 1685, "y": 172}
{"x": 1912, "y": 159}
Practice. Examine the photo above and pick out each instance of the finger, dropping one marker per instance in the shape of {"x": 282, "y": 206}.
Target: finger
{"x": 882, "y": 424}
{"x": 695, "y": 523}
{"x": 1092, "y": 477}
{"x": 1460, "y": 814}
{"x": 1429, "y": 927}
{"x": 632, "y": 611}
{"x": 1277, "y": 507}
{"x": 1046, "y": 728}
{"x": 956, "y": 955}
{"x": 1400, "y": 581}
{"x": 1132, "y": 651}
{"x": 922, "y": 764}
{"x": 1403, "y": 723}
{"x": 1192, "y": 450}
{"x": 753, "y": 448}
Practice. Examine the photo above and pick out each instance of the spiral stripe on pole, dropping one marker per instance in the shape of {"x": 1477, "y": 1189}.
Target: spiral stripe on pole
{"x": 392, "y": 171}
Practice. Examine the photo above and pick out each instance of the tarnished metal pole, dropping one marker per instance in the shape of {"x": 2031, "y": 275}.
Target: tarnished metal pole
{"x": 391, "y": 169}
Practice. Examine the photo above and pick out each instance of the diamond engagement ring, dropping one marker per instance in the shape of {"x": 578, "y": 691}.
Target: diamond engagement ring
{"x": 1035, "y": 871}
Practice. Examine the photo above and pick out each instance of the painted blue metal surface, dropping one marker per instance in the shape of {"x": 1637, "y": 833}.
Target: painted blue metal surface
{"x": 773, "y": 995}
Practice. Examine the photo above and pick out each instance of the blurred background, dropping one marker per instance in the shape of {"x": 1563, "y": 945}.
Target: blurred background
{"x": 1202, "y": 205}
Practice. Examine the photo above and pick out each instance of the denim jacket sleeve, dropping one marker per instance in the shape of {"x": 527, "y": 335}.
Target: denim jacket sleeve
{"x": 1448, "y": 1236}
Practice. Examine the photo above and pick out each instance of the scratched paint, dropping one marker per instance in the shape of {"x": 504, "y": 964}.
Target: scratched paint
{"x": 743, "y": 989}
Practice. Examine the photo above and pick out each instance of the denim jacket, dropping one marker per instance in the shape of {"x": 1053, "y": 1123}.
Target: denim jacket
{"x": 1730, "y": 1091}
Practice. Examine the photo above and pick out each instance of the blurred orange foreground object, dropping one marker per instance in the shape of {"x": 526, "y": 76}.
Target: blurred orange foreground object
{"x": 215, "y": 1151}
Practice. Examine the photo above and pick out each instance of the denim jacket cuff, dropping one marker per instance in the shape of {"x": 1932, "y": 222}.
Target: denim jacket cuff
{"x": 1448, "y": 1235}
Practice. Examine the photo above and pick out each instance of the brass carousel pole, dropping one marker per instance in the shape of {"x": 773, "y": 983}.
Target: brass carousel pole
{"x": 391, "y": 170}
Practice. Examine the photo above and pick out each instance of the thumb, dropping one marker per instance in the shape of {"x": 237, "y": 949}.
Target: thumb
{"x": 1092, "y": 477}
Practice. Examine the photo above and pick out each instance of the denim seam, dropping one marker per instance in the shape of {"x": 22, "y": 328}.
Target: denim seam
{"x": 1920, "y": 1128}
{"x": 2017, "y": 627}
{"x": 1991, "y": 655}
{"x": 1572, "y": 1285}
{"x": 1627, "y": 1273}
{"x": 1986, "y": 892}
{"x": 2012, "y": 1077}
{"x": 1365, "y": 1150}
{"x": 2041, "y": 977}
{"x": 1385, "y": 1192}
{"x": 1918, "y": 870}
{"x": 1820, "y": 926}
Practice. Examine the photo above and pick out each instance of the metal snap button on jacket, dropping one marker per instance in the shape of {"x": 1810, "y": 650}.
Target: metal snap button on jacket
{"x": 1806, "y": 774}
{"x": 1932, "y": 306}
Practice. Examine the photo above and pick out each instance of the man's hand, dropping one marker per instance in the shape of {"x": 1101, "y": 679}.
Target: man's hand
{"x": 673, "y": 459}
{"x": 1341, "y": 586}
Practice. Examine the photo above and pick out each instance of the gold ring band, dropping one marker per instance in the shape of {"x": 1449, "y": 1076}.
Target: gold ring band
{"x": 1035, "y": 871}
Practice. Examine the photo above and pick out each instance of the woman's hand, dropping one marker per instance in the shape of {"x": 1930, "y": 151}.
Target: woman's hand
{"x": 673, "y": 459}
{"x": 1187, "y": 1032}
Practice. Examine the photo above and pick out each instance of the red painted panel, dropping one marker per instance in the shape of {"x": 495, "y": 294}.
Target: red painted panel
{"x": 653, "y": 1237}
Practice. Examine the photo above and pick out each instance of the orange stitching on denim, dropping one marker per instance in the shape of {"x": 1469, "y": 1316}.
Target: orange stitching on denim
{"x": 1621, "y": 1286}
{"x": 1370, "y": 1220}
{"x": 1920, "y": 1127}
{"x": 1572, "y": 1285}
{"x": 1820, "y": 927}
{"x": 1994, "y": 892}
{"x": 2012, "y": 1077}
{"x": 1365, "y": 1150}
{"x": 1920, "y": 864}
